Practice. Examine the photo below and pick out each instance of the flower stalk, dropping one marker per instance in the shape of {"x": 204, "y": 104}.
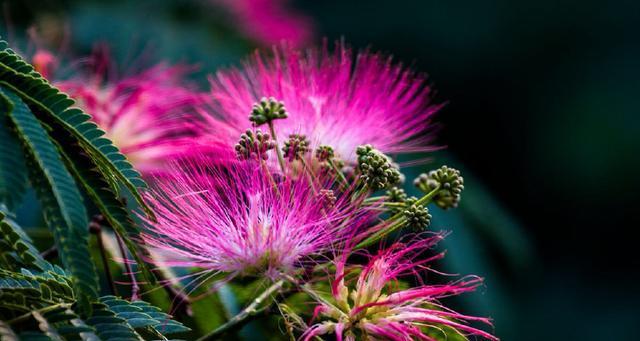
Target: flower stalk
{"x": 396, "y": 221}
{"x": 272, "y": 130}
{"x": 251, "y": 310}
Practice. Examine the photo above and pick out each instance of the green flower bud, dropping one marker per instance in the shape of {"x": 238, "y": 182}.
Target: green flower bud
{"x": 395, "y": 194}
{"x": 324, "y": 153}
{"x": 377, "y": 170}
{"x": 267, "y": 110}
{"x": 417, "y": 216}
{"x": 451, "y": 186}
{"x": 254, "y": 145}
{"x": 295, "y": 147}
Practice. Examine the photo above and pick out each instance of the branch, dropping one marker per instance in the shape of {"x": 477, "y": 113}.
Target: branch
{"x": 250, "y": 310}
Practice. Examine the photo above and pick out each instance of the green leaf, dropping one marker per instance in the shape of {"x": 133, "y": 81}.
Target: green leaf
{"x": 53, "y": 108}
{"x": 22, "y": 292}
{"x": 109, "y": 326}
{"x": 13, "y": 172}
{"x": 16, "y": 249}
{"x": 141, "y": 314}
{"x": 61, "y": 201}
{"x": 114, "y": 210}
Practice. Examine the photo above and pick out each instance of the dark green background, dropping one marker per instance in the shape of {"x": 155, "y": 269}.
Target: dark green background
{"x": 542, "y": 109}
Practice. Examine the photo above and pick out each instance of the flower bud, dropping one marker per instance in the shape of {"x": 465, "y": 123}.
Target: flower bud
{"x": 417, "y": 216}
{"x": 295, "y": 147}
{"x": 324, "y": 153}
{"x": 254, "y": 145}
{"x": 267, "y": 110}
{"x": 377, "y": 170}
{"x": 327, "y": 197}
{"x": 451, "y": 185}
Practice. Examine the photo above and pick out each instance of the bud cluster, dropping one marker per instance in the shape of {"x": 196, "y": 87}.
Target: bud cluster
{"x": 417, "y": 216}
{"x": 327, "y": 197}
{"x": 254, "y": 145}
{"x": 450, "y": 184}
{"x": 295, "y": 147}
{"x": 324, "y": 153}
{"x": 377, "y": 170}
{"x": 267, "y": 110}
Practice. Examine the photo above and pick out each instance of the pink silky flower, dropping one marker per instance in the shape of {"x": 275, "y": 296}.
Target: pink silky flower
{"x": 338, "y": 98}
{"x": 146, "y": 115}
{"x": 44, "y": 62}
{"x": 269, "y": 21}
{"x": 373, "y": 308}
{"x": 238, "y": 219}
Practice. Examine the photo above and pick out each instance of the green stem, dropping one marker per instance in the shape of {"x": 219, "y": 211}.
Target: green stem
{"x": 97, "y": 230}
{"x": 42, "y": 310}
{"x": 250, "y": 310}
{"x": 374, "y": 199}
{"x": 265, "y": 169}
{"x": 386, "y": 204}
{"x": 344, "y": 181}
{"x": 310, "y": 175}
{"x": 397, "y": 221}
{"x": 359, "y": 192}
{"x": 272, "y": 129}
{"x": 309, "y": 291}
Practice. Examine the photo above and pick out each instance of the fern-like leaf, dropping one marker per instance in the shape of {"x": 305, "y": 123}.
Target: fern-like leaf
{"x": 42, "y": 305}
{"x": 114, "y": 210}
{"x": 61, "y": 201}
{"x": 16, "y": 249}
{"x": 53, "y": 108}
{"x": 13, "y": 173}
{"x": 145, "y": 317}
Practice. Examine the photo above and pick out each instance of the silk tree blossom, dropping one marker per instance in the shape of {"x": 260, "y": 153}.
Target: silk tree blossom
{"x": 341, "y": 99}
{"x": 146, "y": 115}
{"x": 44, "y": 62}
{"x": 373, "y": 308}
{"x": 239, "y": 220}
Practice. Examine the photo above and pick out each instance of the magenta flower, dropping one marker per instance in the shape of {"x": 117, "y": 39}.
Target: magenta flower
{"x": 334, "y": 99}
{"x": 147, "y": 115}
{"x": 269, "y": 22}
{"x": 235, "y": 219}
{"x": 44, "y": 62}
{"x": 372, "y": 307}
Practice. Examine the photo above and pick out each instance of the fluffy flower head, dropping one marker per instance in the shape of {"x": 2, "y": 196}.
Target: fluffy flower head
{"x": 145, "y": 115}
{"x": 240, "y": 220}
{"x": 339, "y": 98}
{"x": 374, "y": 309}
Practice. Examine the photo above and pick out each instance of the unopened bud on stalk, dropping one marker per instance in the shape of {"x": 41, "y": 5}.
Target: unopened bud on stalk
{"x": 396, "y": 195}
{"x": 295, "y": 147}
{"x": 417, "y": 216}
{"x": 267, "y": 110}
{"x": 324, "y": 153}
{"x": 377, "y": 170}
{"x": 449, "y": 180}
{"x": 254, "y": 145}
{"x": 327, "y": 197}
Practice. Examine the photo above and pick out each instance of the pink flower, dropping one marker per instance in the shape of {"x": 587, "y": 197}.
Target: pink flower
{"x": 44, "y": 62}
{"x": 240, "y": 220}
{"x": 335, "y": 99}
{"x": 373, "y": 307}
{"x": 147, "y": 115}
{"x": 269, "y": 21}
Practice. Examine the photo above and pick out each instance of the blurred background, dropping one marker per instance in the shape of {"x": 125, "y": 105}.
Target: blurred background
{"x": 542, "y": 116}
